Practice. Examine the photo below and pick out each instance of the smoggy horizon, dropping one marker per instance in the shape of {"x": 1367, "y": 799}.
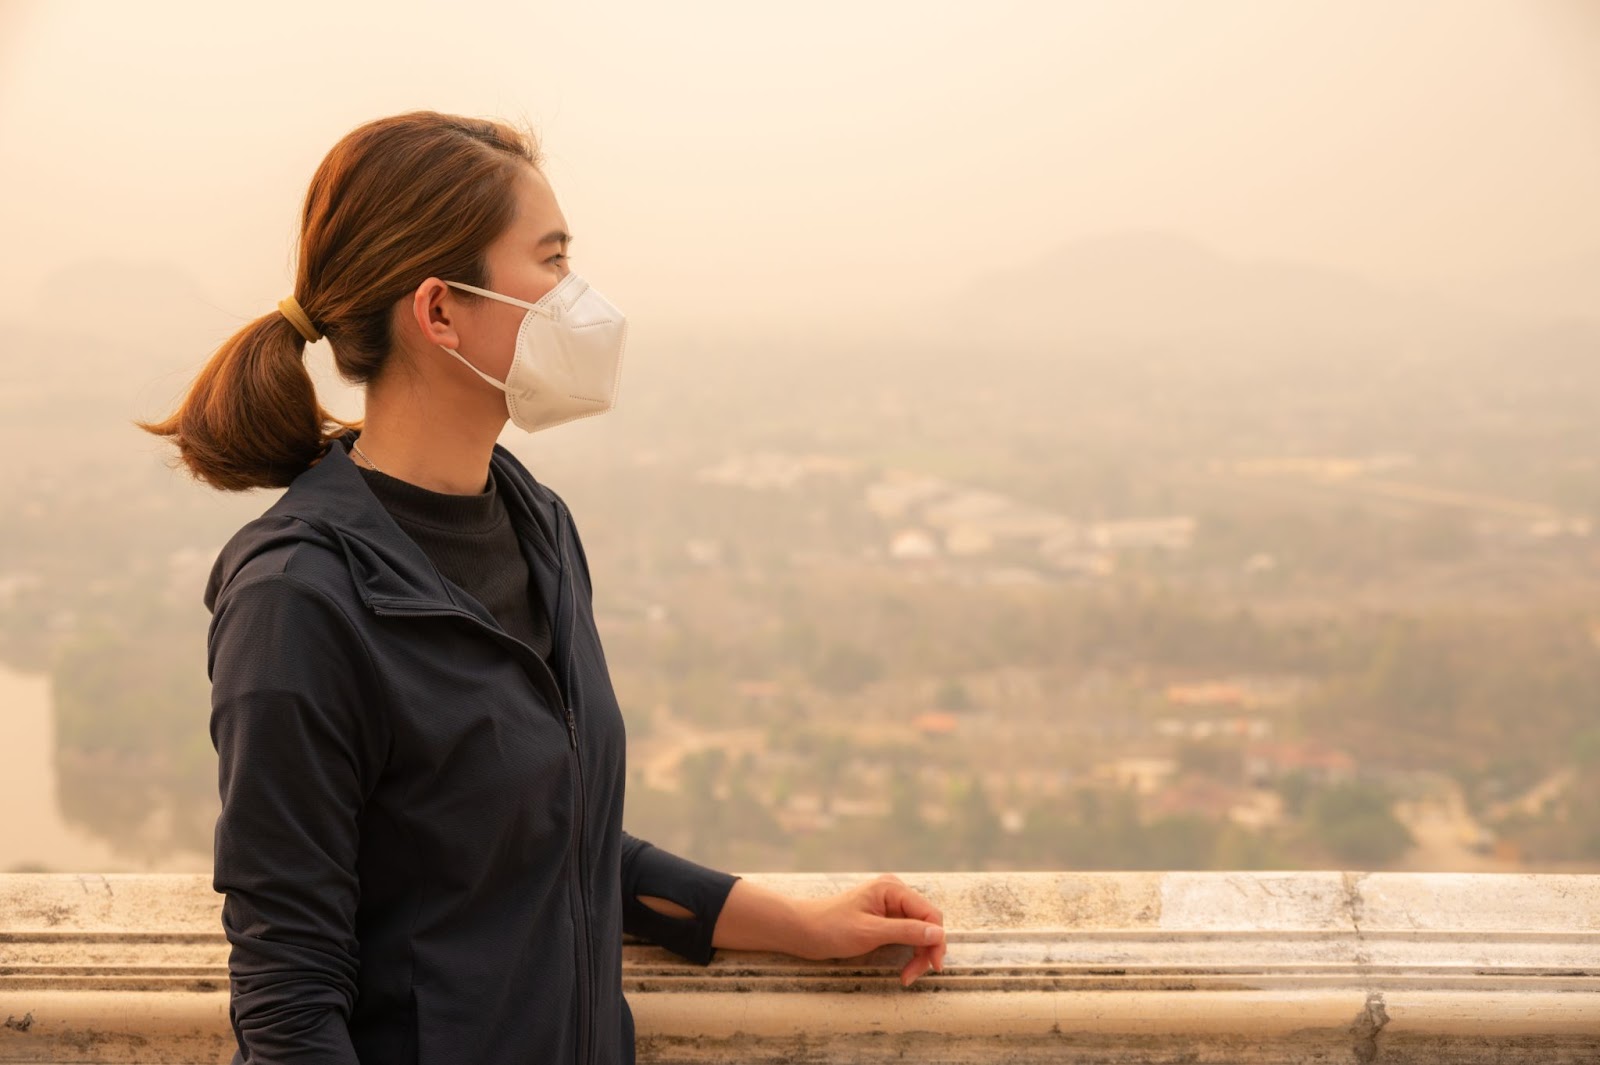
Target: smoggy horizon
{"x": 724, "y": 165}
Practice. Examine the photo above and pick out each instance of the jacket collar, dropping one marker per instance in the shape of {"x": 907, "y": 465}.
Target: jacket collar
{"x": 386, "y": 566}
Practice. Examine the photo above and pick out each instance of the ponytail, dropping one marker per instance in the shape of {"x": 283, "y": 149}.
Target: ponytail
{"x": 397, "y": 200}
{"x": 251, "y": 418}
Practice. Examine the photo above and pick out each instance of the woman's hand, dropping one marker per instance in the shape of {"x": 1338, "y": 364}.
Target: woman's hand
{"x": 882, "y": 910}
{"x": 851, "y": 923}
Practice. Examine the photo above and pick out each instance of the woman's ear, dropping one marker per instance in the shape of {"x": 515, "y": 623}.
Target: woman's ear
{"x": 434, "y": 310}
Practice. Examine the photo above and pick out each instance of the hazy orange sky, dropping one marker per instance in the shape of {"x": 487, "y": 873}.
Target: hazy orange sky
{"x": 760, "y": 160}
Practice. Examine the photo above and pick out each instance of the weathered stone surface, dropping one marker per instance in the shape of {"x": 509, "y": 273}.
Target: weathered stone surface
{"x": 1080, "y": 967}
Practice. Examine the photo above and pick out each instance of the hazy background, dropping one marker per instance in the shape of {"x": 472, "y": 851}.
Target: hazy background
{"x": 1245, "y": 354}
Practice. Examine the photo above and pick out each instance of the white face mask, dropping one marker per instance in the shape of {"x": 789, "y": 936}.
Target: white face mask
{"x": 567, "y": 359}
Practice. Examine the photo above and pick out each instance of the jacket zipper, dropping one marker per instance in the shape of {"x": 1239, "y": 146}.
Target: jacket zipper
{"x": 432, "y": 611}
{"x": 585, "y": 978}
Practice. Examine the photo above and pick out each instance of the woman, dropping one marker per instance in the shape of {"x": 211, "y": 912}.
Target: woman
{"x": 421, "y": 755}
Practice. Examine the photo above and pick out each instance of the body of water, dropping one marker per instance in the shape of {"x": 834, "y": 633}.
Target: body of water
{"x": 33, "y": 834}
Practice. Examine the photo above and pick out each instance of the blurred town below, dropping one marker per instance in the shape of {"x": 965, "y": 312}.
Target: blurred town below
{"x": 1140, "y": 556}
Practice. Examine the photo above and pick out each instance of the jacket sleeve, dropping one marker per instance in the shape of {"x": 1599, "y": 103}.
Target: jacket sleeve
{"x": 649, "y": 870}
{"x": 297, "y": 754}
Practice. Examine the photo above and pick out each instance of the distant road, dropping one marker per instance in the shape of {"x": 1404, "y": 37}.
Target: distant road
{"x": 1444, "y": 830}
{"x": 1418, "y": 493}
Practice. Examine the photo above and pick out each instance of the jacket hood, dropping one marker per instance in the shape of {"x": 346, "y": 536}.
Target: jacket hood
{"x": 331, "y": 506}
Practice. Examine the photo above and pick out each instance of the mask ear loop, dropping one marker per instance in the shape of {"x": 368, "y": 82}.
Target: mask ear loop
{"x": 542, "y": 306}
{"x": 501, "y": 385}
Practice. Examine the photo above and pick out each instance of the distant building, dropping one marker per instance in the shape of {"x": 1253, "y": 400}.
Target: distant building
{"x": 1207, "y": 693}
{"x": 1265, "y": 762}
{"x": 968, "y": 540}
{"x": 1243, "y": 693}
{"x": 1143, "y": 776}
{"x": 1195, "y": 796}
{"x": 967, "y": 506}
{"x": 1082, "y": 563}
{"x": 1551, "y": 528}
{"x": 894, "y": 495}
{"x": 913, "y": 545}
{"x": 759, "y": 690}
{"x": 1167, "y": 534}
{"x": 1257, "y": 809}
{"x": 703, "y": 552}
{"x": 935, "y": 723}
{"x": 1260, "y": 563}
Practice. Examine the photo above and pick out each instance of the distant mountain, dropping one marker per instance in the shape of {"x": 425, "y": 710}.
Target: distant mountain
{"x": 1155, "y": 289}
{"x": 1567, "y": 290}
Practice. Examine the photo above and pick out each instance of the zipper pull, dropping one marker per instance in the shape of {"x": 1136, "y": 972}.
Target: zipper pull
{"x": 572, "y": 728}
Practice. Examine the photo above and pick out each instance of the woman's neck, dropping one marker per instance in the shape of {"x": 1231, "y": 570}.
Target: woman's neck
{"x": 440, "y": 438}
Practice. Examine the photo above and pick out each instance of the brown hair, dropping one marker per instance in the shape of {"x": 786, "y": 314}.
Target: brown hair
{"x": 395, "y": 201}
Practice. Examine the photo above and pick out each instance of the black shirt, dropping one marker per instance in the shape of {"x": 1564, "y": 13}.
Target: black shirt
{"x": 471, "y": 541}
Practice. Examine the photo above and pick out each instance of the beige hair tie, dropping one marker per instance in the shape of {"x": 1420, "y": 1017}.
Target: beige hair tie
{"x": 289, "y": 307}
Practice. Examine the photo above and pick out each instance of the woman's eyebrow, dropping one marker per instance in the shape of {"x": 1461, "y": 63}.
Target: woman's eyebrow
{"x": 557, "y": 236}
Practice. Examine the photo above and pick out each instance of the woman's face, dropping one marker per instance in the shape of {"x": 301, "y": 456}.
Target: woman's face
{"x": 524, "y": 262}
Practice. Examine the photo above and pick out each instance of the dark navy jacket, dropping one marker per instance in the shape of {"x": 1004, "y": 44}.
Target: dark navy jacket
{"x": 421, "y": 845}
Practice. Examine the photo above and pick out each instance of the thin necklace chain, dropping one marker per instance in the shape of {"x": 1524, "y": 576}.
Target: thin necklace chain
{"x": 357, "y": 449}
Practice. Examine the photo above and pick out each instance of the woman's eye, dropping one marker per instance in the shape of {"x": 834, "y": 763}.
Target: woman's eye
{"x": 558, "y": 258}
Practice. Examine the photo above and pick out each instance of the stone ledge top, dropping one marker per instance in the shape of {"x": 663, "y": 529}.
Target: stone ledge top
{"x": 991, "y": 902}
{"x": 1098, "y": 967}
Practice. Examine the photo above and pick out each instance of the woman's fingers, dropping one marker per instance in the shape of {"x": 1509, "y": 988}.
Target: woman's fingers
{"x": 882, "y": 911}
{"x": 912, "y": 933}
{"x": 914, "y": 913}
{"x": 902, "y": 901}
{"x": 921, "y": 963}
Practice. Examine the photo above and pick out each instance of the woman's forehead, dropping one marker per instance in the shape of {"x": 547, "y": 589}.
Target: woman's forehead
{"x": 539, "y": 216}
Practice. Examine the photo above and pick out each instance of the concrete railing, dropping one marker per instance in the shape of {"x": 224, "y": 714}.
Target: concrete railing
{"x": 1080, "y": 967}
